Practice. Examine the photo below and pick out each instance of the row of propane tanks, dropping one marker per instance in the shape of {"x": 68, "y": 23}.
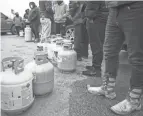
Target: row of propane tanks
{"x": 60, "y": 51}
{"x": 20, "y": 85}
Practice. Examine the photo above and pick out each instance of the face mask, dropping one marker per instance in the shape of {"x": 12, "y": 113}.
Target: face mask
{"x": 31, "y": 6}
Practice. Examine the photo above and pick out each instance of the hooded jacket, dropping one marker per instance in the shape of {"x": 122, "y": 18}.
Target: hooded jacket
{"x": 111, "y": 4}
{"x": 77, "y": 13}
{"x": 96, "y": 10}
{"x": 46, "y": 9}
{"x": 60, "y": 11}
{"x": 34, "y": 15}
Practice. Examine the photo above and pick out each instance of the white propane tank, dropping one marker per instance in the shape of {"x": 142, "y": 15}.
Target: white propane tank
{"x": 21, "y": 33}
{"x": 16, "y": 86}
{"x": 28, "y": 34}
{"x": 66, "y": 61}
{"x": 57, "y": 49}
{"x": 44, "y": 74}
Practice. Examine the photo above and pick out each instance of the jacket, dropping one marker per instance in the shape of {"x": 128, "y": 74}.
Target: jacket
{"x": 17, "y": 21}
{"x": 34, "y": 16}
{"x": 111, "y": 4}
{"x": 46, "y": 9}
{"x": 59, "y": 12}
{"x": 77, "y": 14}
{"x": 96, "y": 10}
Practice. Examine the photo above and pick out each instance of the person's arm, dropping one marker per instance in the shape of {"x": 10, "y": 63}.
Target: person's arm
{"x": 33, "y": 15}
{"x": 66, "y": 11}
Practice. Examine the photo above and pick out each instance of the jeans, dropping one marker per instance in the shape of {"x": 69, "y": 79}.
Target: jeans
{"x": 125, "y": 23}
{"x": 81, "y": 40}
{"x": 60, "y": 28}
{"x": 35, "y": 30}
{"x": 17, "y": 29}
{"x": 96, "y": 33}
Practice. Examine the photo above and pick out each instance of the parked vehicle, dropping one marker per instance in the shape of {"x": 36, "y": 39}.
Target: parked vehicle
{"x": 7, "y": 24}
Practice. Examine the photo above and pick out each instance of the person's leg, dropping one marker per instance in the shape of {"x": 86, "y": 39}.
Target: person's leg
{"x": 36, "y": 32}
{"x": 130, "y": 17}
{"x": 114, "y": 39}
{"x": 62, "y": 29}
{"x": 84, "y": 42}
{"x": 16, "y": 27}
{"x": 57, "y": 28}
{"x": 77, "y": 41}
{"x": 96, "y": 32}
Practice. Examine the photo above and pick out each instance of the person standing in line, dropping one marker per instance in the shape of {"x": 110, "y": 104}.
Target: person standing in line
{"x": 125, "y": 23}
{"x": 47, "y": 18}
{"x": 18, "y": 22}
{"x": 26, "y": 14}
{"x": 96, "y": 14}
{"x": 60, "y": 14}
{"x": 34, "y": 19}
{"x": 77, "y": 18}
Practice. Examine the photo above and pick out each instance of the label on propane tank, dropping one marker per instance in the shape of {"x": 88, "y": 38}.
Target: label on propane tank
{"x": 16, "y": 97}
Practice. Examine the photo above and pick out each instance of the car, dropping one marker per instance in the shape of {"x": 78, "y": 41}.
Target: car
{"x": 7, "y": 24}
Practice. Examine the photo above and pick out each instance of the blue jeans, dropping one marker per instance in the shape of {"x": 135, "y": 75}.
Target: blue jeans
{"x": 125, "y": 23}
{"x": 96, "y": 34}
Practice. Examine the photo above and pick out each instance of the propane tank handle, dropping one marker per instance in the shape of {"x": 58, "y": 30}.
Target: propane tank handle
{"x": 67, "y": 46}
{"x": 14, "y": 63}
{"x": 41, "y": 58}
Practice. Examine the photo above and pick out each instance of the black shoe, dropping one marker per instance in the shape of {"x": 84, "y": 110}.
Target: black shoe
{"x": 79, "y": 58}
{"x": 84, "y": 57}
{"x": 91, "y": 72}
{"x": 89, "y": 67}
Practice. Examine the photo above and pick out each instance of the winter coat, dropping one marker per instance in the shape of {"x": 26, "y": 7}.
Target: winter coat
{"x": 96, "y": 10}
{"x": 46, "y": 9}
{"x": 59, "y": 12}
{"x": 34, "y": 16}
{"x": 110, "y": 4}
{"x": 17, "y": 21}
{"x": 77, "y": 14}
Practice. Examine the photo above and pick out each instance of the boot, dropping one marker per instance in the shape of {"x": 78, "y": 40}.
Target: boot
{"x": 130, "y": 104}
{"x": 106, "y": 89}
{"x": 91, "y": 72}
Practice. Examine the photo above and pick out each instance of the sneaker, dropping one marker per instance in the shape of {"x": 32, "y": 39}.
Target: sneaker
{"x": 91, "y": 72}
{"x": 130, "y": 104}
{"x": 106, "y": 89}
{"x": 79, "y": 58}
{"x": 89, "y": 67}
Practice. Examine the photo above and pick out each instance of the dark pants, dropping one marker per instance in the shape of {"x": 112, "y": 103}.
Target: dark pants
{"x": 35, "y": 30}
{"x": 81, "y": 40}
{"x": 125, "y": 23}
{"x": 17, "y": 29}
{"x": 60, "y": 28}
{"x": 96, "y": 33}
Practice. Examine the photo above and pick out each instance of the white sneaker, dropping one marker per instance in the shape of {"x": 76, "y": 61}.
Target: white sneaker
{"x": 107, "y": 89}
{"x": 125, "y": 107}
{"x": 132, "y": 103}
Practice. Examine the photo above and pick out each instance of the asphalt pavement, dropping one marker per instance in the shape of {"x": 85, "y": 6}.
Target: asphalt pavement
{"x": 70, "y": 96}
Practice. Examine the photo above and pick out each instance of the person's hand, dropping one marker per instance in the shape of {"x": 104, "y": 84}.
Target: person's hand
{"x": 84, "y": 20}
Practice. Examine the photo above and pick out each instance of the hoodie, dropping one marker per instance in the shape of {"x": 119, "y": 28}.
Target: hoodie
{"x": 60, "y": 11}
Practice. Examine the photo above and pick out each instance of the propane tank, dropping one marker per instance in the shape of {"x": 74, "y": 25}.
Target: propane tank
{"x": 66, "y": 60}
{"x": 57, "y": 49}
{"x": 58, "y": 37}
{"x": 43, "y": 72}
{"x": 21, "y": 33}
{"x": 16, "y": 86}
{"x": 28, "y": 34}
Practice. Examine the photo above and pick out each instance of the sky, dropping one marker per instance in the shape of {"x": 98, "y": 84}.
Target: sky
{"x": 17, "y": 5}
